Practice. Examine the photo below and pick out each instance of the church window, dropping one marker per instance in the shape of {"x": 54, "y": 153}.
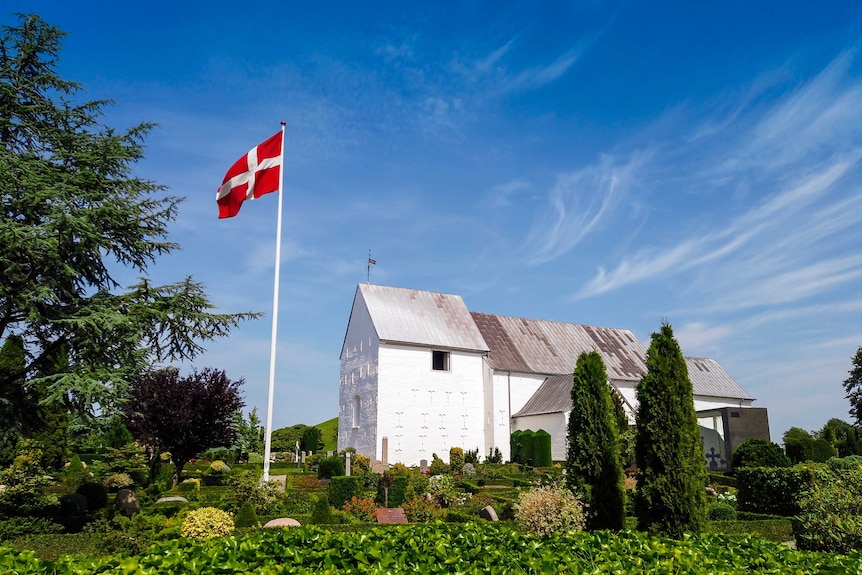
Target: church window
{"x": 356, "y": 406}
{"x": 440, "y": 360}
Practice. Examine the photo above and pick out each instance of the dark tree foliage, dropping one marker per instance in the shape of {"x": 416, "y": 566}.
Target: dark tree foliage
{"x": 184, "y": 415}
{"x": 801, "y": 446}
{"x": 312, "y": 440}
{"x": 286, "y": 438}
{"x": 843, "y": 436}
{"x": 18, "y": 403}
{"x": 853, "y": 387}
{"x": 759, "y": 453}
{"x": 70, "y": 210}
{"x": 52, "y": 432}
{"x": 671, "y": 499}
{"x": 593, "y": 466}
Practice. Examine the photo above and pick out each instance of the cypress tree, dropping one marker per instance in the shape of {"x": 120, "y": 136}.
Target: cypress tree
{"x": 671, "y": 499}
{"x": 18, "y": 403}
{"x": 593, "y": 464}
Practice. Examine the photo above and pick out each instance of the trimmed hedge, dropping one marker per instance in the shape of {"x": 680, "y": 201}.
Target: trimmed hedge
{"x": 721, "y": 479}
{"x": 330, "y": 467}
{"x": 774, "y": 490}
{"x": 542, "y": 449}
{"x": 342, "y": 488}
{"x": 515, "y": 446}
{"x": 397, "y": 493}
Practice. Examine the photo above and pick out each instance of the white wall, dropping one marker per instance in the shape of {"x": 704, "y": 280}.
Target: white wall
{"x": 423, "y": 411}
{"x": 554, "y": 423}
{"x": 359, "y": 367}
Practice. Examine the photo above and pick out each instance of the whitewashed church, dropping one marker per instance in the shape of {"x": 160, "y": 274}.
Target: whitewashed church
{"x": 420, "y": 373}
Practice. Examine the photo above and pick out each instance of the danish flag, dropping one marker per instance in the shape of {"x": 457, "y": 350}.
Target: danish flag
{"x": 253, "y": 175}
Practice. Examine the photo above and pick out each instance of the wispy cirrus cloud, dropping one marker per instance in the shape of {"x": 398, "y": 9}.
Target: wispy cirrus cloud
{"x": 580, "y": 203}
{"x": 800, "y": 153}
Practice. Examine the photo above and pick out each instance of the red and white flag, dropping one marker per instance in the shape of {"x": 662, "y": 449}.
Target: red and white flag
{"x": 253, "y": 175}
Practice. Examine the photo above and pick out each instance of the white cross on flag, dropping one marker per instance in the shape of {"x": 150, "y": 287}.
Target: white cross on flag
{"x": 253, "y": 175}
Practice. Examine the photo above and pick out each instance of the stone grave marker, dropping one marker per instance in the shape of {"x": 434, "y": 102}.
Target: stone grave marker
{"x": 393, "y": 515}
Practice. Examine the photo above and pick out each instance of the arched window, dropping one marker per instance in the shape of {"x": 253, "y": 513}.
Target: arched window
{"x": 356, "y": 406}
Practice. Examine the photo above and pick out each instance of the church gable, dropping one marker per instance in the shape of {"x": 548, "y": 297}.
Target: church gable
{"x": 414, "y": 317}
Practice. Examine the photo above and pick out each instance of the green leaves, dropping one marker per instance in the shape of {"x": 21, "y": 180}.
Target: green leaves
{"x": 443, "y": 549}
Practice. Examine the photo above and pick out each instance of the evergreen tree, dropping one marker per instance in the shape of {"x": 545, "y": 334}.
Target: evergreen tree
{"x": 593, "y": 464}
{"x": 72, "y": 210}
{"x": 52, "y": 433}
{"x": 18, "y": 405}
{"x": 853, "y": 387}
{"x": 671, "y": 498}
{"x": 311, "y": 440}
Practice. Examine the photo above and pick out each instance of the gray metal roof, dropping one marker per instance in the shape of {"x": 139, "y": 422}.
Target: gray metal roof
{"x": 707, "y": 377}
{"x": 421, "y": 318}
{"x": 553, "y": 396}
{"x": 550, "y": 347}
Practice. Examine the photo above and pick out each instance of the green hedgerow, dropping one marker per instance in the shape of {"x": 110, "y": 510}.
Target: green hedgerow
{"x": 207, "y": 523}
{"x": 549, "y": 510}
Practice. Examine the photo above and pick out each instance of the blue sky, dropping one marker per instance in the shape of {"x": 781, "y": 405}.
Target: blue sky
{"x": 606, "y": 163}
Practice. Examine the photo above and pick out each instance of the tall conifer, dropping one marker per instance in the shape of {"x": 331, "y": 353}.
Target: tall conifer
{"x": 671, "y": 498}
{"x": 593, "y": 465}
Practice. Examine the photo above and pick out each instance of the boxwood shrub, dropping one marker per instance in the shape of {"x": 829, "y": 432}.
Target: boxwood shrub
{"x": 330, "y": 467}
{"x": 397, "y": 493}
{"x": 542, "y": 449}
{"x": 775, "y": 490}
{"x": 342, "y": 488}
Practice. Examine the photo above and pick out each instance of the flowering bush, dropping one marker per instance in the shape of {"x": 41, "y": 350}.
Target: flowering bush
{"x": 117, "y": 481}
{"x": 359, "y": 464}
{"x": 420, "y": 509}
{"x": 442, "y": 487}
{"x": 362, "y": 508}
{"x": 217, "y": 466}
{"x": 550, "y": 509}
{"x": 206, "y": 523}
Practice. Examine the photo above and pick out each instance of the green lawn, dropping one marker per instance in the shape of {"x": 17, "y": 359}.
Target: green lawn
{"x": 330, "y": 434}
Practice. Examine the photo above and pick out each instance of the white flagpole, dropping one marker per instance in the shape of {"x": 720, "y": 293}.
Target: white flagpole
{"x": 268, "y": 437}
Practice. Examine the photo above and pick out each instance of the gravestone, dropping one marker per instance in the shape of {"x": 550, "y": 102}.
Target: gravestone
{"x": 126, "y": 502}
{"x": 281, "y": 480}
{"x": 347, "y": 464}
{"x": 423, "y": 465}
{"x": 379, "y": 467}
{"x": 390, "y": 516}
{"x": 282, "y": 522}
{"x": 385, "y": 450}
{"x": 488, "y": 513}
{"x": 172, "y": 499}
{"x": 303, "y": 457}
